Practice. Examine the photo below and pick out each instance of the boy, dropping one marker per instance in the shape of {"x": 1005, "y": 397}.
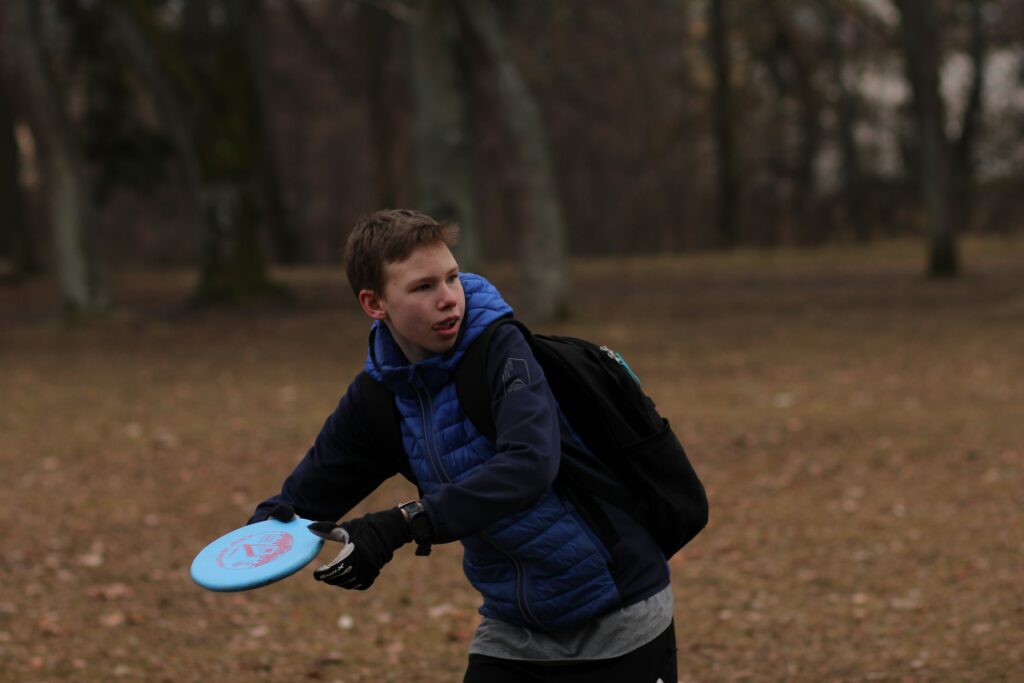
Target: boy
{"x": 563, "y": 599}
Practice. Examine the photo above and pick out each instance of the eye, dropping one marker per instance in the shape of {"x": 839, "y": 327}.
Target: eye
{"x": 453, "y": 278}
{"x": 421, "y": 288}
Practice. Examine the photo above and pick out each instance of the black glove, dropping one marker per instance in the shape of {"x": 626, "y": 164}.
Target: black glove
{"x": 282, "y": 512}
{"x": 372, "y": 541}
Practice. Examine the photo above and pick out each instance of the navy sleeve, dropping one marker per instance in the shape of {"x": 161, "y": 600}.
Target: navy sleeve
{"x": 339, "y": 470}
{"x": 527, "y": 441}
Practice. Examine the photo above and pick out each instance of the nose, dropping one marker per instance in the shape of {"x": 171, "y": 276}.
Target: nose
{"x": 447, "y": 297}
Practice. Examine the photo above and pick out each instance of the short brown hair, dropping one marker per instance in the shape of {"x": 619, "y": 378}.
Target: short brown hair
{"x": 388, "y": 236}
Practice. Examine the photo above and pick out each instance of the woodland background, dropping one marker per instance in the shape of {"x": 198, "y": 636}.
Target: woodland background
{"x": 798, "y": 220}
{"x": 229, "y": 136}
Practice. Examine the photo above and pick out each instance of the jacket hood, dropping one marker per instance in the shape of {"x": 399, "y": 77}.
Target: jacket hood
{"x": 386, "y": 363}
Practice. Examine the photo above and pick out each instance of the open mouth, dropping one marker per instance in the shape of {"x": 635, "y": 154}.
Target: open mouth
{"x": 447, "y": 325}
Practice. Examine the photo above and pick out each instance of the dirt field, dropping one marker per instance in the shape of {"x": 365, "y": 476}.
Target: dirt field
{"x": 860, "y": 431}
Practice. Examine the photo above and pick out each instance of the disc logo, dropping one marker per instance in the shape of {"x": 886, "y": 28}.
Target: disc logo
{"x": 255, "y": 550}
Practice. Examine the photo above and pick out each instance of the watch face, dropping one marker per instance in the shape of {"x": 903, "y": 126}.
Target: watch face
{"x": 419, "y": 523}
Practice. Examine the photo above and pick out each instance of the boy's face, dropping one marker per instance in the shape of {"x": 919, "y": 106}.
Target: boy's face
{"x": 423, "y": 302}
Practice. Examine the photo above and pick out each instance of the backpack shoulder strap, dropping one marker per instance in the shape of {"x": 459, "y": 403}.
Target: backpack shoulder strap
{"x": 380, "y": 416}
{"x": 471, "y": 378}
{"x": 376, "y": 404}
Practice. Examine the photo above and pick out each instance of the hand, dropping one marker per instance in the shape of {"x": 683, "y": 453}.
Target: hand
{"x": 371, "y": 543}
{"x": 282, "y": 512}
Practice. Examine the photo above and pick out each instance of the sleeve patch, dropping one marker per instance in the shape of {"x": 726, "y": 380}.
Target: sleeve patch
{"x": 516, "y": 375}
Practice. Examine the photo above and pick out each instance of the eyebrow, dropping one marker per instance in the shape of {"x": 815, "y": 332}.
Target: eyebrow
{"x": 429, "y": 278}
{"x": 416, "y": 282}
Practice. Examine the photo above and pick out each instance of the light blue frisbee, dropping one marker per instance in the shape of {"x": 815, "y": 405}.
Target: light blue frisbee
{"x": 256, "y": 555}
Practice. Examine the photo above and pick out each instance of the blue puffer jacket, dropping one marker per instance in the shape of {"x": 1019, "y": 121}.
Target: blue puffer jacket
{"x": 531, "y": 555}
{"x": 541, "y": 567}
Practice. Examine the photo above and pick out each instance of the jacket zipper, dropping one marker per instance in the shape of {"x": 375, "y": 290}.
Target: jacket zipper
{"x": 426, "y": 413}
{"x": 434, "y": 456}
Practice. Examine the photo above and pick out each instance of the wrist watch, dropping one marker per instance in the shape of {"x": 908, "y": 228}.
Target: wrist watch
{"x": 419, "y": 525}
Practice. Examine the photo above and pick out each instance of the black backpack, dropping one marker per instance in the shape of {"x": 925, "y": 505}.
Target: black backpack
{"x": 642, "y": 466}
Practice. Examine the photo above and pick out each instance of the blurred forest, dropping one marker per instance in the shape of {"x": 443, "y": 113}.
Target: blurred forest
{"x": 229, "y": 136}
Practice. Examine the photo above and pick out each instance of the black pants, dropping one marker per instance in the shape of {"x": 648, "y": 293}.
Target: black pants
{"x": 655, "y": 660}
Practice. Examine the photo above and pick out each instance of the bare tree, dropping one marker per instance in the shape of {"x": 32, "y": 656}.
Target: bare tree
{"x": 792, "y": 70}
{"x": 215, "y": 64}
{"x": 388, "y": 100}
{"x": 16, "y": 243}
{"x": 71, "y": 203}
{"x": 136, "y": 33}
{"x": 963, "y": 162}
{"x": 921, "y": 52}
{"x": 725, "y": 147}
{"x": 444, "y": 187}
{"x": 543, "y": 238}
{"x": 283, "y": 236}
{"x": 846, "y": 106}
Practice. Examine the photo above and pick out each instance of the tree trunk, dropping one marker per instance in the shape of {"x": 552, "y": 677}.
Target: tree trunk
{"x": 963, "y": 165}
{"x": 544, "y": 260}
{"x": 283, "y": 236}
{"x": 444, "y": 187}
{"x": 386, "y": 103}
{"x": 846, "y": 119}
{"x": 804, "y": 202}
{"x": 921, "y": 53}
{"x": 793, "y": 78}
{"x": 76, "y": 241}
{"x": 130, "y": 30}
{"x": 16, "y": 245}
{"x": 725, "y": 148}
{"x": 233, "y": 269}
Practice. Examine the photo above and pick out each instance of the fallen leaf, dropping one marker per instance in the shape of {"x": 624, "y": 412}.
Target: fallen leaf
{"x": 111, "y": 591}
{"x": 112, "y": 619}
{"x": 438, "y": 611}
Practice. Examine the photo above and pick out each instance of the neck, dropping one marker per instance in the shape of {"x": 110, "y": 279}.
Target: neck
{"x": 413, "y": 354}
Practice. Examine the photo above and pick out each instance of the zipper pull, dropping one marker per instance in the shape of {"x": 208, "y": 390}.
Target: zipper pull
{"x": 617, "y": 357}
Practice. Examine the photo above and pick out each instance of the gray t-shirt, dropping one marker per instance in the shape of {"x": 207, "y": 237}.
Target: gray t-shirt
{"x": 611, "y": 635}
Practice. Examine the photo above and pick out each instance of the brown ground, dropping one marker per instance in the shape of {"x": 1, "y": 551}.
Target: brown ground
{"x": 860, "y": 431}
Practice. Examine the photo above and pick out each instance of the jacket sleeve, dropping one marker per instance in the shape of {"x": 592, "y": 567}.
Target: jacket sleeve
{"x": 340, "y": 469}
{"x": 528, "y": 448}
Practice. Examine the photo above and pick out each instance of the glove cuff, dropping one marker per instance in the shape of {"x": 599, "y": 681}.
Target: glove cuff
{"x": 391, "y": 527}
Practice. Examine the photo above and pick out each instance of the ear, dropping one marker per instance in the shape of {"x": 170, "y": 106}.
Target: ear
{"x": 373, "y": 304}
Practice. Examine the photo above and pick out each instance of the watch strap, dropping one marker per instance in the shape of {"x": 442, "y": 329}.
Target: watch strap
{"x": 419, "y": 526}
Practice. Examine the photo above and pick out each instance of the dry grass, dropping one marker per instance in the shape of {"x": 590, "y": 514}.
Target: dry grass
{"x": 860, "y": 431}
